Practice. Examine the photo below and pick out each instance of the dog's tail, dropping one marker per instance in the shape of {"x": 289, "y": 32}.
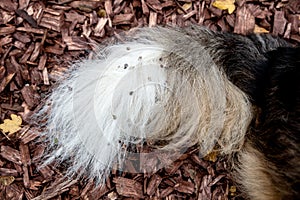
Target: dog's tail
{"x": 159, "y": 84}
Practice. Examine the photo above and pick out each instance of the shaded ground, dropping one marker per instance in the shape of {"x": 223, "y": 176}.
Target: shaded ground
{"x": 38, "y": 40}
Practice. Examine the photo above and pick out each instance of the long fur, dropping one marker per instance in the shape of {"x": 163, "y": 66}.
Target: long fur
{"x": 177, "y": 87}
{"x": 267, "y": 70}
{"x": 276, "y": 136}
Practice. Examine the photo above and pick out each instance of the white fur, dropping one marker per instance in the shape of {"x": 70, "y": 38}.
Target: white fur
{"x": 171, "y": 90}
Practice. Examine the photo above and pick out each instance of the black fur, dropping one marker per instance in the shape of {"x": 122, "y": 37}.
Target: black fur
{"x": 267, "y": 69}
{"x": 278, "y": 134}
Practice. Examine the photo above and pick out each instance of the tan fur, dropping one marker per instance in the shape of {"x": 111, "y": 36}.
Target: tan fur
{"x": 253, "y": 175}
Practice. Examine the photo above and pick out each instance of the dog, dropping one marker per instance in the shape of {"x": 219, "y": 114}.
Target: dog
{"x": 179, "y": 87}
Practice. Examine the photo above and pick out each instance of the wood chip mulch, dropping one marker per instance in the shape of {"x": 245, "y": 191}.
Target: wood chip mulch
{"x": 38, "y": 41}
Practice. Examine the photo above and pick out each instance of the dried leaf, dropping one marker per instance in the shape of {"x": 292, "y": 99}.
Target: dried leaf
{"x": 101, "y": 13}
{"x": 11, "y": 125}
{"x": 232, "y": 189}
{"x": 185, "y": 7}
{"x": 258, "y": 29}
{"x": 225, "y": 5}
{"x": 212, "y": 156}
{"x": 6, "y": 180}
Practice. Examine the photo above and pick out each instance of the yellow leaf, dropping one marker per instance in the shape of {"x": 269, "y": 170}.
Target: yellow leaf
{"x": 232, "y": 189}
{"x": 6, "y": 180}
{"x": 11, "y": 125}
{"x": 101, "y": 13}
{"x": 212, "y": 156}
{"x": 258, "y": 29}
{"x": 225, "y": 5}
{"x": 185, "y": 7}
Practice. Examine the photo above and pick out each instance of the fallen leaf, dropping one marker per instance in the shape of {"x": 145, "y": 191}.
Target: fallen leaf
{"x": 212, "y": 156}
{"x": 232, "y": 190}
{"x": 185, "y": 7}
{"x": 101, "y": 13}
{"x": 11, "y": 125}
{"x": 6, "y": 180}
{"x": 258, "y": 29}
{"x": 225, "y": 5}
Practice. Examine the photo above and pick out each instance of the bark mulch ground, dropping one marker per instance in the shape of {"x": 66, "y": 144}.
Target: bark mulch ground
{"x": 38, "y": 41}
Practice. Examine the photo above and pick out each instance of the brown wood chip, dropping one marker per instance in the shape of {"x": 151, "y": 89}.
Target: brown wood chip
{"x": 31, "y": 97}
{"x": 46, "y": 172}
{"x": 185, "y": 187}
{"x": 28, "y": 18}
{"x": 152, "y": 19}
{"x": 8, "y": 172}
{"x": 25, "y": 157}
{"x": 76, "y": 43}
{"x": 128, "y": 187}
{"x": 31, "y": 30}
{"x": 74, "y": 16}
{"x": 279, "y": 23}
{"x": 11, "y": 154}
{"x": 97, "y": 192}
{"x": 166, "y": 192}
{"x": 205, "y": 190}
{"x": 5, "y": 81}
{"x": 86, "y": 6}
{"x": 29, "y": 135}
{"x": 14, "y": 107}
{"x": 14, "y": 191}
{"x": 7, "y": 30}
{"x": 122, "y": 19}
{"x": 8, "y": 5}
{"x": 27, "y": 54}
{"x": 56, "y": 190}
{"x": 153, "y": 184}
{"x": 245, "y": 21}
